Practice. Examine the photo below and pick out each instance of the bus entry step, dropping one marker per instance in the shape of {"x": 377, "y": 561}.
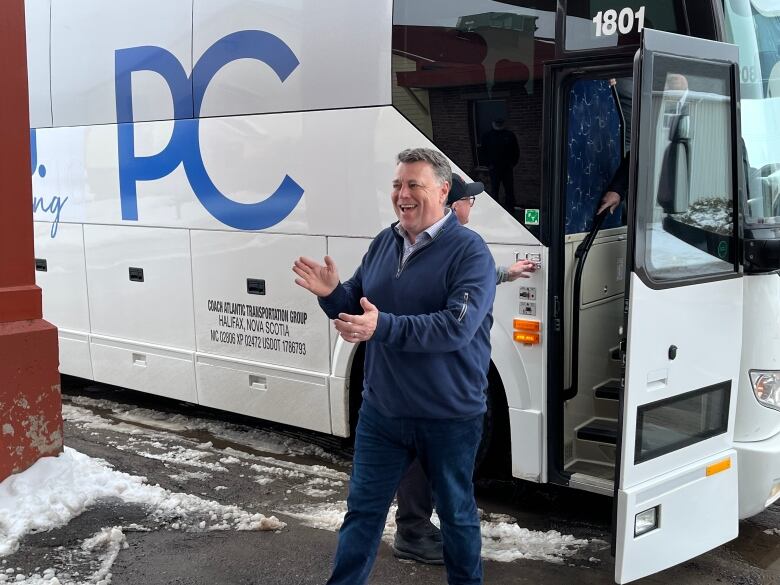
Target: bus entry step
{"x": 600, "y": 430}
{"x": 609, "y": 390}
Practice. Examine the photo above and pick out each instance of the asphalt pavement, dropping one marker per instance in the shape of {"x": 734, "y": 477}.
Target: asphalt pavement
{"x": 279, "y": 474}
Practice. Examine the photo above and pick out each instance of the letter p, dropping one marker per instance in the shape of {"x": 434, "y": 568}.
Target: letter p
{"x": 134, "y": 168}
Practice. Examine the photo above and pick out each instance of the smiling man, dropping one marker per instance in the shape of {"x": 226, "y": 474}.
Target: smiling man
{"x": 422, "y": 299}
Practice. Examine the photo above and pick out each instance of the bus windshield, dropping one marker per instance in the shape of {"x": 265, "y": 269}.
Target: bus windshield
{"x": 754, "y": 25}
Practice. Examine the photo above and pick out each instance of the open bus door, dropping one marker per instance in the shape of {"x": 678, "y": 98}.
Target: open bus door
{"x": 676, "y": 489}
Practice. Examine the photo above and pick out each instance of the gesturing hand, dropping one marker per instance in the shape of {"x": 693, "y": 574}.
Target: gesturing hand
{"x": 314, "y": 277}
{"x": 357, "y": 328}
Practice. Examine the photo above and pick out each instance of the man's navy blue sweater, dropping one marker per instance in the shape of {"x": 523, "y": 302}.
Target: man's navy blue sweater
{"x": 430, "y": 353}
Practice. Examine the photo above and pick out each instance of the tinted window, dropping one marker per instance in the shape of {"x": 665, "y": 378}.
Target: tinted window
{"x": 468, "y": 74}
{"x": 592, "y": 24}
{"x": 674, "y": 423}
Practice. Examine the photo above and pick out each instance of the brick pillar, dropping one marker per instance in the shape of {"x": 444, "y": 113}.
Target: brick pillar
{"x": 30, "y": 406}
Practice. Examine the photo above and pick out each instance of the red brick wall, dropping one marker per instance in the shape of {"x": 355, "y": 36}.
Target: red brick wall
{"x": 450, "y": 113}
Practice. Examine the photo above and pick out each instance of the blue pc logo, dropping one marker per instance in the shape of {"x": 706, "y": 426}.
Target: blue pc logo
{"x": 184, "y": 145}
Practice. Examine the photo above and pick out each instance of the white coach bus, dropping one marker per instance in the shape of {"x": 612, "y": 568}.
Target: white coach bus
{"x": 185, "y": 152}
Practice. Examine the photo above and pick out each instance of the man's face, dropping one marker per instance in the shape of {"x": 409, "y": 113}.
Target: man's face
{"x": 462, "y": 209}
{"x": 418, "y": 198}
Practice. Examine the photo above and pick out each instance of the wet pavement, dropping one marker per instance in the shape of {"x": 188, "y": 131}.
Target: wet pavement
{"x": 302, "y": 479}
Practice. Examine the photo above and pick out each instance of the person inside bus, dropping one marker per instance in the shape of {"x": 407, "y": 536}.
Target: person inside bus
{"x": 422, "y": 300}
{"x": 501, "y": 153}
{"x": 618, "y": 187}
{"x": 416, "y": 537}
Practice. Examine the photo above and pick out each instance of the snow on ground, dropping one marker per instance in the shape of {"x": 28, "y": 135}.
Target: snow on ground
{"x": 502, "y": 539}
{"x": 156, "y": 444}
{"x": 106, "y": 544}
{"x": 188, "y": 475}
{"x": 257, "y": 439}
{"x": 182, "y": 456}
{"x": 56, "y": 489}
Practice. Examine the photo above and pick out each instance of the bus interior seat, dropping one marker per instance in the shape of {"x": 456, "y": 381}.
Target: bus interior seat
{"x": 594, "y": 152}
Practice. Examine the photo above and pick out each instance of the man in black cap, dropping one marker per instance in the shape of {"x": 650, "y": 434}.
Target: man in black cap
{"x": 416, "y": 538}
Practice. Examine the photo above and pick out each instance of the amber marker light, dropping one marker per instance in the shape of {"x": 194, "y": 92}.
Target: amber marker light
{"x": 722, "y": 465}
{"x": 527, "y": 325}
{"x": 526, "y": 338}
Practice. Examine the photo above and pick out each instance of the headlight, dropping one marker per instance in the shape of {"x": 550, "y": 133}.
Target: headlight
{"x": 766, "y": 387}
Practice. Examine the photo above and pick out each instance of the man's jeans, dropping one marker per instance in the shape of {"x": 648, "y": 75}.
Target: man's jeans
{"x": 384, "y": 448}
{"x": 415, "y": 506}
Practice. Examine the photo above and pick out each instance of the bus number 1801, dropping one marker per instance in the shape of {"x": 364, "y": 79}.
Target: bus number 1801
{"x": 609, "y": 22}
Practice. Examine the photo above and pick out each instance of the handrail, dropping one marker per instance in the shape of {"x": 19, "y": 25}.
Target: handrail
{"x": 581, "y": 254}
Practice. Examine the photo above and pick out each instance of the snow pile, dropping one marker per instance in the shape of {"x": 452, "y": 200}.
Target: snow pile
{"x": 56, "y": 489}
{"x": 505, "y": 542}
{"x": 502, "y": 539}
{"x": 110, "y": 541}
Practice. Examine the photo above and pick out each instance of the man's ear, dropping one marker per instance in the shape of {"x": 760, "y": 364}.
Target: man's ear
{"x": 445, "y": 191}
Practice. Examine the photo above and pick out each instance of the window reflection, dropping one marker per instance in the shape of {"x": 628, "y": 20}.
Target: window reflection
{"x": 689, "y": 227}
{"x": 468, "y": 74}
{"x": 755, "y": 27}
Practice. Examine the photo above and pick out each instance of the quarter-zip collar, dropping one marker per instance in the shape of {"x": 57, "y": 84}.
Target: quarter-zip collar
{"x": 407, "y": 251}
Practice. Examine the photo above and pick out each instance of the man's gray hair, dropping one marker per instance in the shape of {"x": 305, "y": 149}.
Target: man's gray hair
{"x": 441, "y": 168}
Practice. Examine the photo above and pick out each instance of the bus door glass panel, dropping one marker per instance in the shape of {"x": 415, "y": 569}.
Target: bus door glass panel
{"x": 688, "y": 222}
{"x": 676, "y": 478}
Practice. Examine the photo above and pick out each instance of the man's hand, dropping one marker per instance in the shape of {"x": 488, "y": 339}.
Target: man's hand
{"x": 520, "y": 269}
{"x": 611, "y": 200}
{"x": 357, "y": 328}
{"x": 314, "y": 277}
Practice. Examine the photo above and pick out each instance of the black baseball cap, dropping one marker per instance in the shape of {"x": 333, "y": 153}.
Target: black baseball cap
{"x": 460, "y": 189}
